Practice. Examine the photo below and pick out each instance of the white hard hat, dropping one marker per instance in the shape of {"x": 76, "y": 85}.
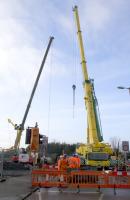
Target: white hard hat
{"x": 61, "y": 156}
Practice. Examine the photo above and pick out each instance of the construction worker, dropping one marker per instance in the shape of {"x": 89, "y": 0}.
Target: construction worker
{"x": 63, "y": 162}
{"x": 73, "y": 162}
{"x": 77, "y": 160}
{"x": 59, "y": 161}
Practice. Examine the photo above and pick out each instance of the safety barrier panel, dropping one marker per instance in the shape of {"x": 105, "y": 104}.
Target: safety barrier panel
{"x": 119, "y": 179}
{"x": 80, "y": 179}
{"x": 49, "y": 178}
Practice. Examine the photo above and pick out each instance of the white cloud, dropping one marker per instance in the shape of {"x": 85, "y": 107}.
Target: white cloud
{"x": 96, "y": 15}
{"x": 24, "y": 25}
{"x": 65, "y": 23}
{"x": 19, "y": 65}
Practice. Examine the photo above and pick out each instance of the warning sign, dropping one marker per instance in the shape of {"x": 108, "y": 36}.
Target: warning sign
{"x": 125, "y": 145}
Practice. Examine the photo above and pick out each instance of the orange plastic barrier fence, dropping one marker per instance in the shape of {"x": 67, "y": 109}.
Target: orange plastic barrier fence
{"x": 49, "y": 178}
{"x": 80, "y": 179}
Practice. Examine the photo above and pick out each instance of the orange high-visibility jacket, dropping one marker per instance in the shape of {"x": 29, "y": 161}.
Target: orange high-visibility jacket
{"x": 73, "y": 162}
{"x": 62, "y": 164}
{"x": 78, "y": 161}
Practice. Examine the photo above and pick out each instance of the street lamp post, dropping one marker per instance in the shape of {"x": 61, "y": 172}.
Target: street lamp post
{"x": 127, "y": 88}
{"x": 122, "y": 88}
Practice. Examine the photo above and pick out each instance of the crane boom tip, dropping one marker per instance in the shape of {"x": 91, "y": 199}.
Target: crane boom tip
{"x": 75, "y": 7}
{"x": 51, "y": 37}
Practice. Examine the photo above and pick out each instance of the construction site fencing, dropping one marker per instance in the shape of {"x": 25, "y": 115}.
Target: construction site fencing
{"x": 80, "y": 179}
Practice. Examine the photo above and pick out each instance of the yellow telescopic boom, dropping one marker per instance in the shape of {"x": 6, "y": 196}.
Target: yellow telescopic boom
{"x": 91, "y": 118}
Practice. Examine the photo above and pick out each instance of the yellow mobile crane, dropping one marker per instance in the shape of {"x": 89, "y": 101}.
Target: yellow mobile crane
{"x": 19, "y": 128}
{"x": 96, "y": 152}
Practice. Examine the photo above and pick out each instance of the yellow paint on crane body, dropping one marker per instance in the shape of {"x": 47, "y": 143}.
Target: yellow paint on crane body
{"x": 94, "y": 143}
{"x": 92, "y": 131}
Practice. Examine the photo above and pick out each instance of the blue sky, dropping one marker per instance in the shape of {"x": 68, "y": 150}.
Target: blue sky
{"x": 25, "y": 28}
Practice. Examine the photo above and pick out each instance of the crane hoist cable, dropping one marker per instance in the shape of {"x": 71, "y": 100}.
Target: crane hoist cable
{"x": 74, "y": 88}
{"x": 50, "y": 89}
{"x": 75, "y": 63}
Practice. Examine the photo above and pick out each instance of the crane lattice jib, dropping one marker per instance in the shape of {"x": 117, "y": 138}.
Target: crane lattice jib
{"x": 94, "y": 133}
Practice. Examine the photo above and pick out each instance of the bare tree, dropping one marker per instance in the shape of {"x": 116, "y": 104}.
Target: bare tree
{"x": 115, "y": 143}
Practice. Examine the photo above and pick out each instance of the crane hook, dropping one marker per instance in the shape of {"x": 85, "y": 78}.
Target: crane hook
{"x": 74, "y": 88}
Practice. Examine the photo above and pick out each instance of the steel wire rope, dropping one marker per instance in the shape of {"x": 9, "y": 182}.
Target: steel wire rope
{"x": 75, "y": 61}
{"x": 50, "y": 87}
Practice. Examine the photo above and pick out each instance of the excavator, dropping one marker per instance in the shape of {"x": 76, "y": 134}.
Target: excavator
{"x": 96, "y": 152}
{"x": 34, "y": 146}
